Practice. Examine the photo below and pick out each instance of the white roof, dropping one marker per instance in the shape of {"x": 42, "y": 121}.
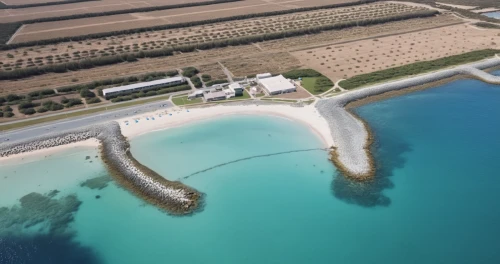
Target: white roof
{"x": 263, "y": 75}
{"x": 214, "y": 95}
{"x": 141, "y": 85}
{"x": 235, "y": 86}
{"x": 277, "y": 84}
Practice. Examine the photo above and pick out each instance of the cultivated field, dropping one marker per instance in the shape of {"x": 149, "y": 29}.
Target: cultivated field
{"x": 342, "y": 61}
{"x": 47, "y": 30}
{"x": 14, "y": 15}
{"x": 26, "y": 2}
{"x": 72, "y": 51}
{"x": 213, "y": 69}
{"x": 211, "y": 57}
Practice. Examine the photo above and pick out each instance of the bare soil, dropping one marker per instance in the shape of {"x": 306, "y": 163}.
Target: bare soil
{"x": 349, "y": 59}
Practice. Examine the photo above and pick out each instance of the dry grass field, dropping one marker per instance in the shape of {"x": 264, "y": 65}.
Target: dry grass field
{"x": 70, "y": 51}
{"x": 213, "y": 70}
{"x": 278, "y": 62}
{"x": 14, "y": 15}
{"x": 83, "y": 26}
{"x": 342, "y": 61}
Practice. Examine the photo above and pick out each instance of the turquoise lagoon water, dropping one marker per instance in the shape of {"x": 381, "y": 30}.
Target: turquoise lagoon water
{"x": 435, "y": 199}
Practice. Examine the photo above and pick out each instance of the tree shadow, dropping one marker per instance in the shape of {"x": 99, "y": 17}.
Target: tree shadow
{"x": 388, "y": 157}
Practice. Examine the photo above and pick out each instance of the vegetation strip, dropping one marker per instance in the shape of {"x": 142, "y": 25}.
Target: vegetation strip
{"x": 416, "y": 68}
{"x": 61, "y": 116}
{"x": 63, "y": 2}
{"x": 3, "y": 38}
{"x": 108, "y": 60}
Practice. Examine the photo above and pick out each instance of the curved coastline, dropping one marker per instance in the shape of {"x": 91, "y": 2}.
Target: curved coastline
{"x": 352, "y": 154}
{"x": 174, "y": 197}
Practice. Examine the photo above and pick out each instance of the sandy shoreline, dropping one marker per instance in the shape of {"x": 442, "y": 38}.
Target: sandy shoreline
{"x": 177, "y": 117}
{"x": 26, "y": 157}
{"x": 306, "y": 115}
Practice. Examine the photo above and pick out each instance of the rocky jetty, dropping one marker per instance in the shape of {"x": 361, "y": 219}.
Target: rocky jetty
{"x": 174, "y": 197}
{"x": 351, "y": 152}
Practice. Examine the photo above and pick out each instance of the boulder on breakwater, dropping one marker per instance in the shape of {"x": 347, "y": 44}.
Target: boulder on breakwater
{"x": 352, "y": 137}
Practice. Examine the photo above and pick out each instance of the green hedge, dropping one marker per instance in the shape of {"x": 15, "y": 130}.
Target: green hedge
{"x": 140, "y": 94}
{"x": 189, "y": 72}
{"x": 416, "y": 68}
{"x": 196, "y": 81}
{"x": 295, "y": 74}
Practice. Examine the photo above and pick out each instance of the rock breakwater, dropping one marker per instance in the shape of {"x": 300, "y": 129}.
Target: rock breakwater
{"x": 174, "y": 197}
{"x": 352, "y": 137}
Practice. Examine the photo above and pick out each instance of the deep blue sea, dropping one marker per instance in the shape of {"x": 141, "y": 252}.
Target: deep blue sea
{"x": 435, "y": 198}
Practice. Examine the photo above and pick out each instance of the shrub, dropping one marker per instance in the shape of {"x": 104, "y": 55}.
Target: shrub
{"x": 206, "y": 77}
{"x": 172, "y": 73}
{"x": 7, "y": 108}
{"x": 189, "y": 72}
{"x": 42, "y": 110}
{"x": 64, "y": 100}
{"x": 196, "y": 81}
{"x": 86, "y": 93}
{"x": 28, "y": 111}
{"x": 8, "y": 114}
{"x": 72, "y": 102}
{"x": 13, "y": 97}
{"x": 94, "y": 100}
{"x": 27, "y": 105}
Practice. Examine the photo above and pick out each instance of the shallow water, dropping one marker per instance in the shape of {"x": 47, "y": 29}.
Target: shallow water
{"x": 434, "y": 200}
{"x": 495, "y": 14}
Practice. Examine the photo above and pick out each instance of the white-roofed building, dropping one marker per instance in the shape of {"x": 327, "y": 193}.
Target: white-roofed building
{"x": 215, "y": 96}
{"x": 277, "y": 85}
{"x": 263, "y": 76}
{"x": 236, "y": 88}
{"x": 143, "y": 86}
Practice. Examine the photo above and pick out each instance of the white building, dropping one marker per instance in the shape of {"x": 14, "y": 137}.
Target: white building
{"x": 236, "y": 88}
{"x": 143, "y": 86}
{"x": 214, "y": 96}
{"x": 277, "y": 85}
{"x": 263, "y": 76}
{"x": 195, "y": 94}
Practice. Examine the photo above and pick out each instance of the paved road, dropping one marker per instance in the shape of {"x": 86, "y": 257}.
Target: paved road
{"x": 75, "y": 122}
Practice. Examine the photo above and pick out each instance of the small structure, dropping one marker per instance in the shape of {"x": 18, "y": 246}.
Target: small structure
{"x": 277, "y": 85}
{"x": 263, "y": 76}
{"x": 214, "y": 96}
{"x": 143, "y": 86}
{"x": 236, "y": 88}
{"x": 195, "y": 95}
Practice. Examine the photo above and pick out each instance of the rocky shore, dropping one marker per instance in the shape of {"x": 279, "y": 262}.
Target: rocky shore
{"x": 352, "y": 137}
{"x": 174, "y": 197}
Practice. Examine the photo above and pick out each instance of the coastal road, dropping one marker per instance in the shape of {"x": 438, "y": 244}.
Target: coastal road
{"x": 76, "y": 122}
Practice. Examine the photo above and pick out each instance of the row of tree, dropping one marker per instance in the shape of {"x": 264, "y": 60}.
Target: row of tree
{"x": 177, "y": 25}
{"x": 5, "y": 6}
{"x": 108, "y": 60}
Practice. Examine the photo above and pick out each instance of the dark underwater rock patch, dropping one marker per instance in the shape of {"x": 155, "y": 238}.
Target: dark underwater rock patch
{"x": 35, "y": 208}
{"x": 98, "y": 183}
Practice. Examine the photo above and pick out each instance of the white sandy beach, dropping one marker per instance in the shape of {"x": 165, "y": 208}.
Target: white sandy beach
{"x": 174, "y": 117}
{"x": 35, "y": 155}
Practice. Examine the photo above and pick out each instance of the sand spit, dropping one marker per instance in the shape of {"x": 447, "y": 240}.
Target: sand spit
{"x": 174, "y": 197}
{"x": 351, "y": 154}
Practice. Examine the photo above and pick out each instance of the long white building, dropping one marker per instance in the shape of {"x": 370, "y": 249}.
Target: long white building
{"x": 143, "y": 86}
{"x": 277, "y": 85}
